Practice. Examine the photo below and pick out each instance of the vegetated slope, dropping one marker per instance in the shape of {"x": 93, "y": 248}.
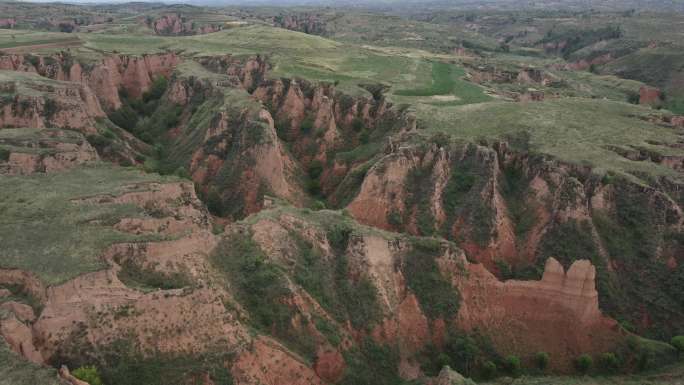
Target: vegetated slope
{"x": 163, "y": 291}
{"x": 17, "y": 370}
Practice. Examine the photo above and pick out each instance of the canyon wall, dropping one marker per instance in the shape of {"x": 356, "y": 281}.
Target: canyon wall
{"x": 105, "y": 77}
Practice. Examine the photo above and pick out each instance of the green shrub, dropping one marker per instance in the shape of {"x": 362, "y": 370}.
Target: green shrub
{"x": 436, "y": 295}
{"x": 512, "y": 365}
{"x": 357, "y": 124}
{"x": 318, "y": 205}
{"x": 121, "y": 363}
{"x": 157, "y": 89}
{"x": 338, "y": 237}
{"x": 134, "y": 275}
{"x": 609, "y": 362}
{"x": 649, "y": 354}
{"x": 569, "y": 241}
{"x": 489, "y": 370}
{"x": 328, "y": 329}
{"x": 678, "y": 343}
{"x": 541, "y": 360}
{"x": 98, "y": 141}
{"x": 50, "y": 108}
{"x": 32, "y": 60}
{"x": 327, "y": 280}
{"x": 260, "y": 285}
{"x": 394, "y": 218}
{"x": 125, "y": 117}
{"x": 419, "y": 188}
{"x": 4, "y": 154}
{"x": 88, "y": 374}
{"x": 371, "y": 363}
{"x": 214, "y": 202}
{"x": 313, "y": 187}
{"x": 458, "y": 186}
{"x": 315, "y": 169}
{"x": 584, "y": 363}
{"x": 307, "y": 124}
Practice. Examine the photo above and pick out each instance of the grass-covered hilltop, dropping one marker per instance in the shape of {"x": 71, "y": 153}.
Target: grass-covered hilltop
{"x": 367, "y": 192}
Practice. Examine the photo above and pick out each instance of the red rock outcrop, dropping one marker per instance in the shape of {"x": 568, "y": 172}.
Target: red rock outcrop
{"x": 271, "y": 168}
{"x": 20, "y": 338}
{"x": 649, "y": 95}
{"x": 105, "y": 77}
{"x": 412, "y": 189}
{"x": 270, "y": 363}
{"x": 389, "y": 192}
{"x": 584, "y": 64}
{"x": 306, "y": 22}
{"x": 187, "y": 320}
{"x": 58, "y": 150}
{"x": 8, "y": 23}
{"x": 57, "y": 104}
{"x": 511, "y": 314}
{"x": 174, "y": 24}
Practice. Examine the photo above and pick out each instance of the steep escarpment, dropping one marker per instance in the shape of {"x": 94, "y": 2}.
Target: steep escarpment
{"x": 105, "y": 77}
{"x": 243, "y": 136}
{"x": 313, "y": 297}
{"x": 508, "y": 312}
{"x": 353, "y": 289}
{"x": 334, "y": 136}
{"x": 303, "y": 22}
{"x": 30, "y": 101}
{"x": 175, "y": 24}
{"x": 26, "y": 151}
{"x": 227, "y": 144}
{"x": 511, "y": 211}
{"x": 103, "y": 85}
{"x": 157, "y": 303}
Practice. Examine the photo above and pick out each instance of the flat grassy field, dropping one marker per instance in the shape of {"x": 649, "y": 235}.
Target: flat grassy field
{"x": 24, "y": 41}
{"x": 575, "y": 130}
{"x": 295, "y": 54}
{"x": 447, "y": 87}
{"x": 42, "y": 230}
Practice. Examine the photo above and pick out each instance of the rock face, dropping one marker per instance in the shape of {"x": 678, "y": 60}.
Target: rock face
{"x": 8, "y": 23}
{"x": 104, "y": 78}
{"x": 510, "y": 312}
{"x": 558, "y": 314}
{"x": 279, "y": 365}
{"x": 174, "y": 24}
{"x": 649, "y": 95}
{"x": 294, "y": 110}
{"x": 57, "y": 150}
{"x": 235, "y": 142}
{"x": 305, "y": 22}
{"x": 412, "y": 184}
{"x": 57, "y": 104}
{"x": 20, "y": 338}
{"x": 190, "y": 320}
{"x": 447, "y": 376}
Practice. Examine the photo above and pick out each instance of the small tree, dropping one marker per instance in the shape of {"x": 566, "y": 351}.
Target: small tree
{"x": 541, "y": 360}
{"x": 609, "y": 362}
{"x": 489, "y": 370}
{"x": 584, "y": 363}
{"x": 678, "y": 343}
{"x": 88, "y": 374}
{"x": 512, "y": 365}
